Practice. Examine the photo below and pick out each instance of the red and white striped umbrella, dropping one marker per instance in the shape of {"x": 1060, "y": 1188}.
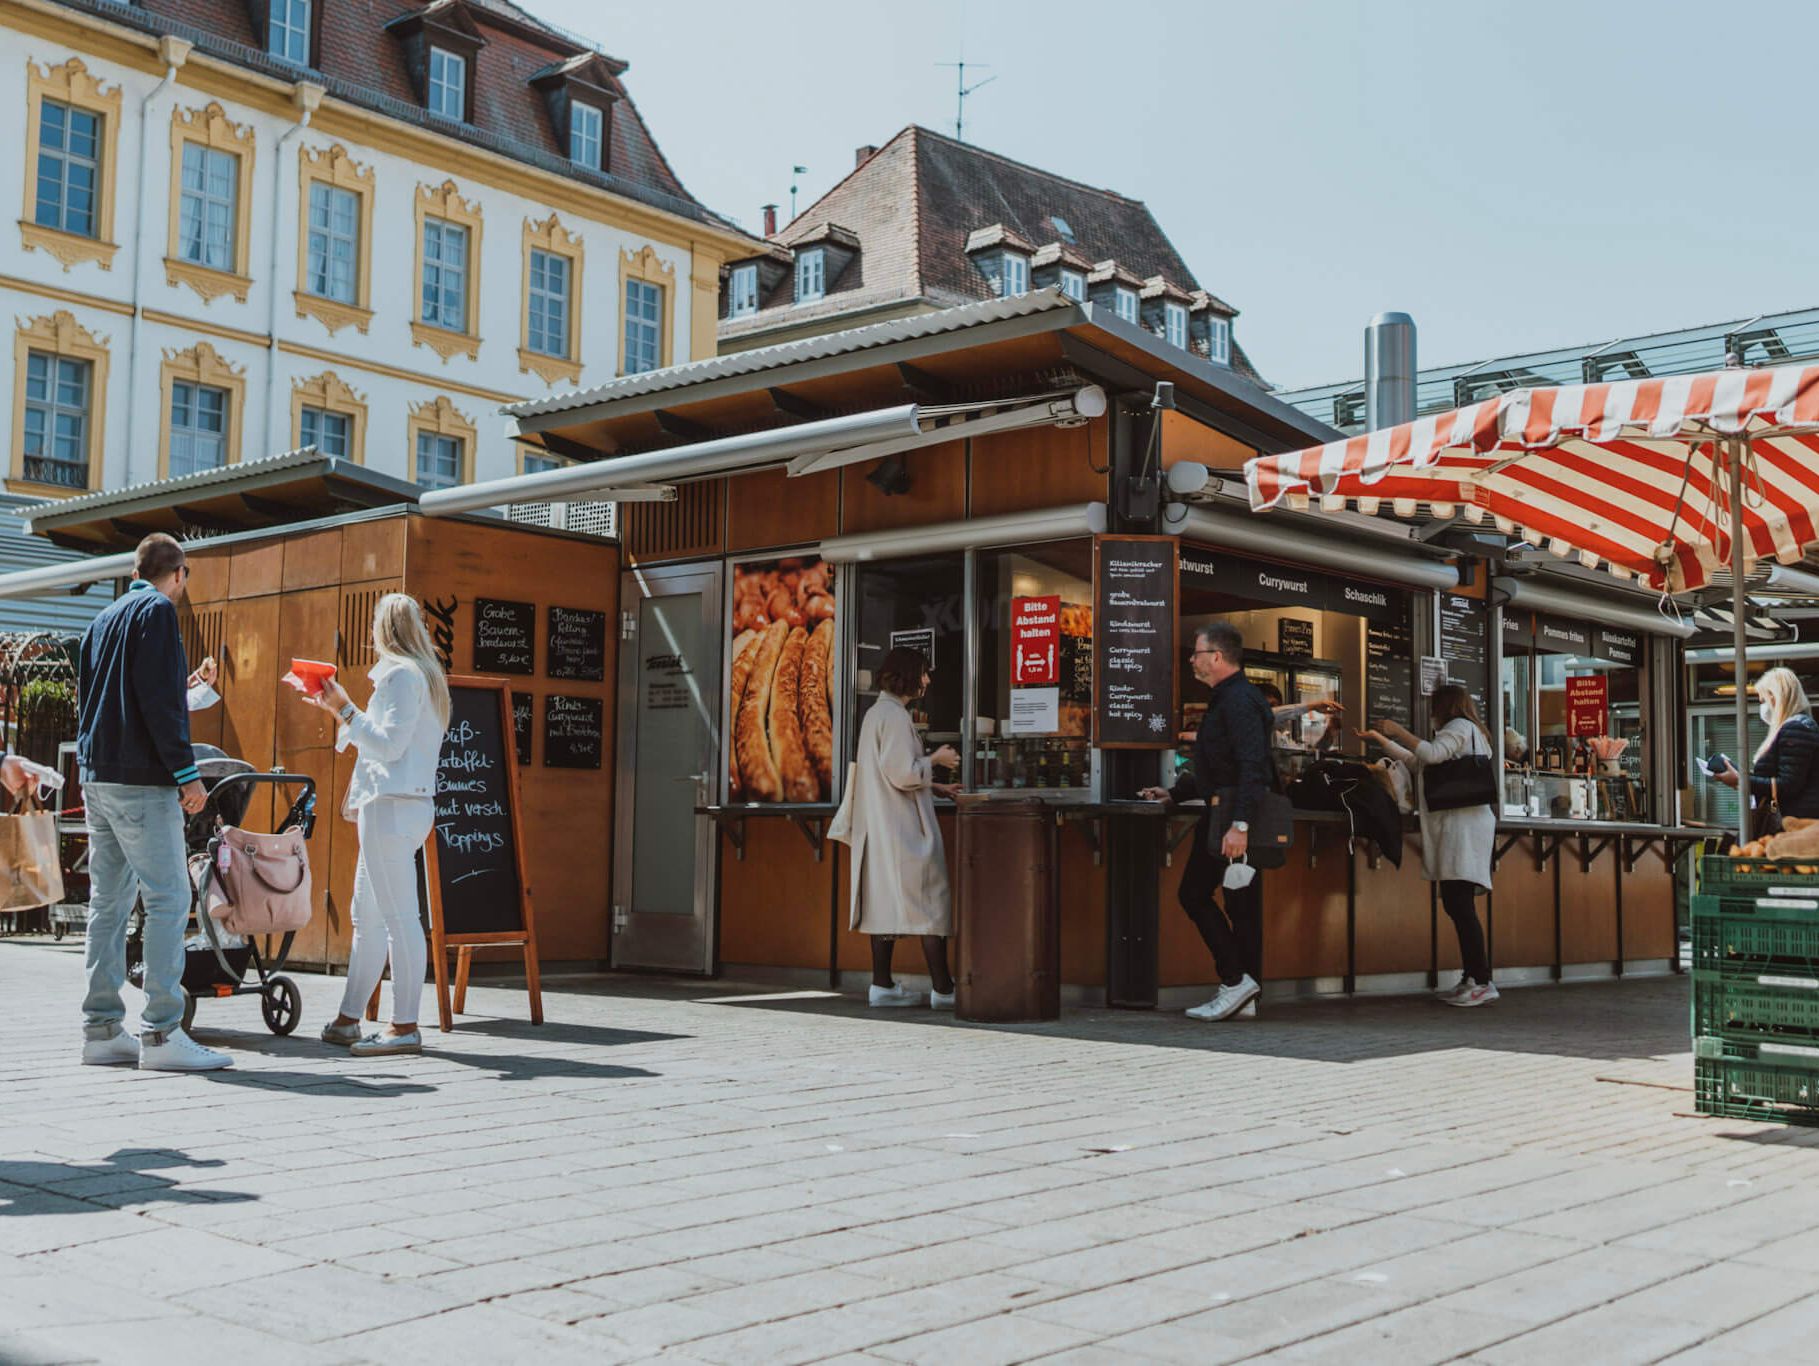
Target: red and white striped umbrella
{"x": 1625, "y": 475}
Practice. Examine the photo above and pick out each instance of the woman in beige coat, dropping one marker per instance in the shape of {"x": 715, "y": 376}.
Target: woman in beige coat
{"x": 899, "y": 877}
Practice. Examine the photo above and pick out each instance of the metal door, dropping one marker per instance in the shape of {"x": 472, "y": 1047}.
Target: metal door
{"x": 669, "y": 718}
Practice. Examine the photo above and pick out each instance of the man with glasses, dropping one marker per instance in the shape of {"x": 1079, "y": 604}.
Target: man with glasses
{"x": 139, "y": 780}
{"x": 1231, "y": 753}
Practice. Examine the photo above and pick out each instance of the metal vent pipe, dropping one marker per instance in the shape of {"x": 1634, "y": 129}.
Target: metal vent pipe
{"x": 1389, "y": 371}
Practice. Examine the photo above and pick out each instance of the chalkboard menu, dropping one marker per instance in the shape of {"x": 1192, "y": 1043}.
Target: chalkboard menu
{"x": 1135, "y": 589}
{"x": 1295, "y": 637}
{"x": 1389, "y": 672}
{"x": 478, "y": 889}
{"x": 571, "y": 732}
{"x": 1465, "y": 645}
{"x": 577, "y": 644}
{"x": 521, "y": 726}
{"x": 505, "y": 637}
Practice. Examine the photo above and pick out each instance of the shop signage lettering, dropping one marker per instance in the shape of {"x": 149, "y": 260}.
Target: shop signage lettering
{"x": 1035, "y": 642}
{"x": 440, "y": 617}
{"x": 521, "y": 726}
{"x": 1389, "y": 673}
{"x": 1265, "y": 582}
{"x": 577, "y": 644}
{"x": 921, "y": 640}
{"x": 1464, "y": 628}
{"x": 1587, "y": 705}
{"x": 1364, "y": 597}
{"x": 1135, "y": 590}
{"x": 1295, "y": 637}
{"x": 1620, "y": 647}
{"x": 1566, "y": 636}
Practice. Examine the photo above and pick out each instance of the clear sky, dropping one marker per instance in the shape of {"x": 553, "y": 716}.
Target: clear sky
{"x": 1515, "y": 175}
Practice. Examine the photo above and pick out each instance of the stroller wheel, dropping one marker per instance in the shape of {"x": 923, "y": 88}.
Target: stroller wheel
{"x": 282, "y": 1004}
{"x": 189, "y": 1009}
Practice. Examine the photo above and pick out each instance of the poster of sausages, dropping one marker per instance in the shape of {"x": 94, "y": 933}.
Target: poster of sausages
{"x": 780, "y": 694}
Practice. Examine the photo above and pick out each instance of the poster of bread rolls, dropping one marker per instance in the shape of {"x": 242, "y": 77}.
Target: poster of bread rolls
{"x": 780, "y": 684}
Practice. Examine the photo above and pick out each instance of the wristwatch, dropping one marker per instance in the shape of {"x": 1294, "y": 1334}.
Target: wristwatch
{"x": 347, "y": 710}
{"x": 1242, "y": 827}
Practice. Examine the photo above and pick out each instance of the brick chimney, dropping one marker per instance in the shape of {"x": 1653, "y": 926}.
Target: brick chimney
{"x": 861, "y": 155}
{"x": 770, "y": 220}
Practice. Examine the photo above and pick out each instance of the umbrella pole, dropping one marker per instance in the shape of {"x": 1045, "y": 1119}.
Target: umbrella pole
{"x": 1739, "y": 640}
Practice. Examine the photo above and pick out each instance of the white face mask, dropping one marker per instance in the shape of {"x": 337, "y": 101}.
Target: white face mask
{"x": 1767, "y": 713}
{"x": 1239, "y": 875}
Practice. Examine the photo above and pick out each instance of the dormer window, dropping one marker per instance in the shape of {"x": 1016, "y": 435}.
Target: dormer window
{"x": 441, "y": 46}
{"x": 288, "y": 30}
{"x": 1127, "y": 304}
{"x": 447, "y": 84}
{"x": 811, "y": 275}
{"x": 1219, "y": 340}
{"x": 585, "y": 127}
{"x": 742, "y": 292}
{"x": 1174, "y": 324}
{"x": 1073, "y": 284}
{"x": 1014, "y": 275}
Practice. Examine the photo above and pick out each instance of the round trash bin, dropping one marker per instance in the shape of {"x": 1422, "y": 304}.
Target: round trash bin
{"x": 1008, "y": 912}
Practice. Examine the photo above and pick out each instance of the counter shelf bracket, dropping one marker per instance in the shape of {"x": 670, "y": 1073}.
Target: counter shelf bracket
{"x": 1179, "y": 828}
{"x": 813, "y": 828}
{"x": 1502, "y": 850}
{"x": 1092, "y": 830}
{"x": 1548, "y": 847}
{"x": 731, "y": 824}
{"x": 1589, "y": 853}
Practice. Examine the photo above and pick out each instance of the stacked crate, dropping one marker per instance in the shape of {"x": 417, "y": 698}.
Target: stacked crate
{"x": 1755, "y": 927}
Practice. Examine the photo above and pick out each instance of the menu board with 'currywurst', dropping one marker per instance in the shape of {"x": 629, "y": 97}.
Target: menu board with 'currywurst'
{"x": 1136, "y": 583}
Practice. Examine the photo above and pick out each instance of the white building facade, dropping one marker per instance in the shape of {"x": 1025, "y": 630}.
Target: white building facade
{"x": 215, "y": 260}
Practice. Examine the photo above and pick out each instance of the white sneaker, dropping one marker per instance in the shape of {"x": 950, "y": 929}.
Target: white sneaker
{"x": 117, "y": 1050}
{"x": 1456, "y": 990}
{"x": 1227, "y": 1001}
{"x": 1474, "y": 995}
{"x": 936, "y": 1001}
{"x": 894, "y": 996}
{"x": 177, "y": 1052}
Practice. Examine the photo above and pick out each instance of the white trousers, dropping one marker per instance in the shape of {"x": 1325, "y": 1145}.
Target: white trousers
{"x": 392, "y": 830}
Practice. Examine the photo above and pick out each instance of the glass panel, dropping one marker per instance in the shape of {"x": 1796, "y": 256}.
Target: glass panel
{"x": 333, "y": 242}
{"x": 205, "y": 214}
{"x": 1035, "y": 668}
{"x": 673, "y": 729}
{"x": 584, "y": 131}
{"x": 69, "y": 145}
{"x": 921, "y": 604}
{"x": 643, "y": 326}
{"x": 445, "y": 275}
{"x": 290, "y": 30}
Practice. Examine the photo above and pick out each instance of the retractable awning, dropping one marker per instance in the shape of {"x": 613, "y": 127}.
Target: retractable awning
{"x": 809, "y": 447}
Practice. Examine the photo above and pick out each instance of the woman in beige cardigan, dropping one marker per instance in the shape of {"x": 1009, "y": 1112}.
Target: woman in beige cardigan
{"x": 899, "y": 877}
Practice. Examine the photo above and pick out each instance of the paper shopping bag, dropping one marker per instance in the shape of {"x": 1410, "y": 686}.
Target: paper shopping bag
{"x": 31, "y": 870}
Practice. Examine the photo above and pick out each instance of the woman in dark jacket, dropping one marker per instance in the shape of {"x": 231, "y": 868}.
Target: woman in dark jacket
{"x": 1785, "y": 773}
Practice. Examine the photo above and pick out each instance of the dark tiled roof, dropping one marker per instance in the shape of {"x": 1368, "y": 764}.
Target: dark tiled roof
{"x": 360, "y": 62}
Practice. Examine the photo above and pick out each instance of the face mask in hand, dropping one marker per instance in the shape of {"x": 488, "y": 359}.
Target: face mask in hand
{"x": 1238, "y": 876}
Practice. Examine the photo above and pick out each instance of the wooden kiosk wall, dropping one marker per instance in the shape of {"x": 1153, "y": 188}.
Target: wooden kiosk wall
{"x": 257, "y": 604}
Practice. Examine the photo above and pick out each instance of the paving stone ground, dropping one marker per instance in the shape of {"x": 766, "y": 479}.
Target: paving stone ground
{"x": 700, "y": 1172}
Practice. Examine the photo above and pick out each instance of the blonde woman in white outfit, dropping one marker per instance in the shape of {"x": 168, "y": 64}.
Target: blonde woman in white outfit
{"x": 392, "y": 801}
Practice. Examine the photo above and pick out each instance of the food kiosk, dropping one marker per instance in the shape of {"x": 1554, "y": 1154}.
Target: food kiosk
{"x": 951, "y": 482}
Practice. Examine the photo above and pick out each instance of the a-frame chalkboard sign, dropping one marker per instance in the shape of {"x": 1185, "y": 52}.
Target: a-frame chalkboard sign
{"x": 478, "y": 888}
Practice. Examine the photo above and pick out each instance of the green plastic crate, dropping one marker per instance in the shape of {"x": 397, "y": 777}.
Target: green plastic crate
{"x": 1720, "y": 876}
{"x": 1771, "y": 933}
{"x": 1763, "y": 1091}
{"x": 1750, "y": 1005}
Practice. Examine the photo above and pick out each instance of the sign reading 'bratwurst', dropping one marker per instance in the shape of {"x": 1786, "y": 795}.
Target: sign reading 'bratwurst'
{"x": 1136, "y": 585}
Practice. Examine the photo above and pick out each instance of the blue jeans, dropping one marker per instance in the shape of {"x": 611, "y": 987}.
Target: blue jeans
{"x": 135, "y": 842}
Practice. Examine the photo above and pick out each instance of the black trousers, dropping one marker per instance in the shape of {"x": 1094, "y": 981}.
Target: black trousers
{"x": 1234, "y": 931}
{"x": 1459, "y": 900}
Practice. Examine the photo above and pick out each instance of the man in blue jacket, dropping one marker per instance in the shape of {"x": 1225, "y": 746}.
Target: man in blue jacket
{"x": 139, "y": 780}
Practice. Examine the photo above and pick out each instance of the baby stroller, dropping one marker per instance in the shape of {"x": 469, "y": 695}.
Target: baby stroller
{"x": 214, "y": 961}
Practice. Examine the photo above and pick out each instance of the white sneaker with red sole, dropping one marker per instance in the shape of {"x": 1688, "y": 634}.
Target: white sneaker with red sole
{"x": 1475, "y": 994}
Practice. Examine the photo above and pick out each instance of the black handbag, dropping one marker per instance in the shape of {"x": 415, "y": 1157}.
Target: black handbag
{"x": 1272, "y": 826}
{"x": 1469, "y": 780}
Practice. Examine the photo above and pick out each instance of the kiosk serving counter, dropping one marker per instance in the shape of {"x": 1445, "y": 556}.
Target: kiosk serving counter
{"x": 760, "y": 596}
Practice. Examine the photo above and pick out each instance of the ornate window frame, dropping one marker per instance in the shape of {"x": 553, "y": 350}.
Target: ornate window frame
{"x": 73, "y": 84}
{"x": 644, "y": 264}
{"x": 330, "y": 392}
{"x": 441, "y": 417}
{"x": 200, "y": 364}
{"x": 550, "y": 236}
{"x": 333, "y": 166}
{"x": 59, "y": 334}
{"x": 211, "y": 127}
{"x": 444, "y": 201}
